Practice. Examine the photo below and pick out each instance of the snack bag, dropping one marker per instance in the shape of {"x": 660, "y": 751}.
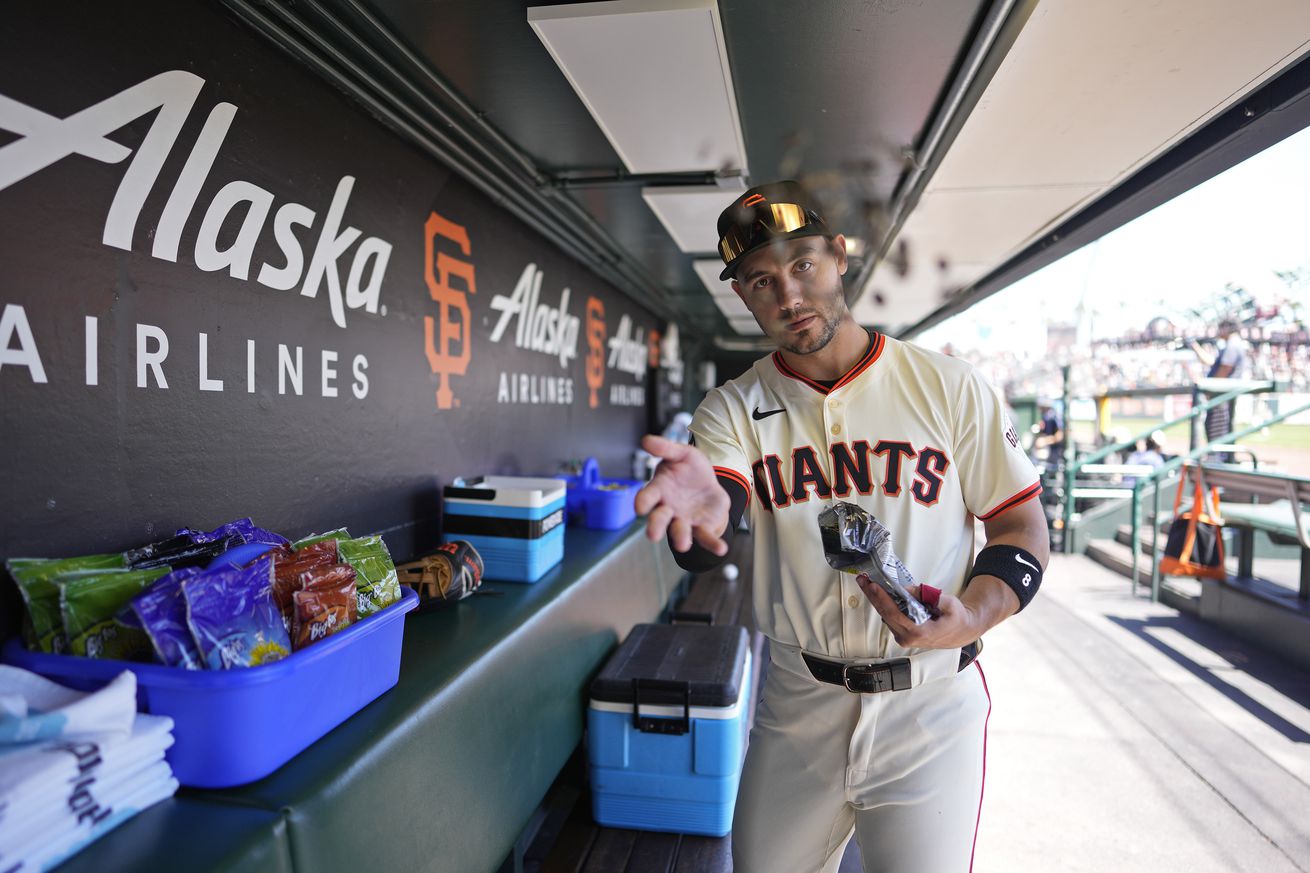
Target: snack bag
{"x": 88, "y": 601}
{"x": 243, "y": 530}
{"x": 177, "y": 551}
{"x": 339, "y": 534}
{"x": 855, "y": 542}
{"x": 35, "y": 578}
{"x": 161, "y": 612}
{"x": 289, "y": 566}
{"x": 233, "y": 618}
{"x": 376, "y": 585}
{"x": 324, "y": 604}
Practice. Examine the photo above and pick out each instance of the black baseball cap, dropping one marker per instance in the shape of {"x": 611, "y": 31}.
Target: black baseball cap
{"x": 765, "y": 213}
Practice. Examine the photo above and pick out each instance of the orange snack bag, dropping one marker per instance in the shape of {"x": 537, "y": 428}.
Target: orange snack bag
{"x": 324, "y": 604}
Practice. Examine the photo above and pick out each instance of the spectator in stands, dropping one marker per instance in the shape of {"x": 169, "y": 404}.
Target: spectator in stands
{"x": 1150, "y": 453}
{"x": 1228, "y": 362}
{"x": 1050, "y": 433}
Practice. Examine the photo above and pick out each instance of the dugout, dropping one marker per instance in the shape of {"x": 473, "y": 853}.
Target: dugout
{"x": 309, "y": 262}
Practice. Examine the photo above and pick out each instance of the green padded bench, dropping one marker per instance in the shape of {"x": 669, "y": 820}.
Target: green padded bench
{"x": 1285, "y": 519}
{"x": 188, "y": 834}
{"x": 442, "y": 772}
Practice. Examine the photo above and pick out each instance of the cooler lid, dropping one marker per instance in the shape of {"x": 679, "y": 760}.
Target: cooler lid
{"x": 507, "y": 490}
{"x": 709, "y": 659}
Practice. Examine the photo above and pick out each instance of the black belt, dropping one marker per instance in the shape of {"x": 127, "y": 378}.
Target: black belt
{"x": 872, "y": 678}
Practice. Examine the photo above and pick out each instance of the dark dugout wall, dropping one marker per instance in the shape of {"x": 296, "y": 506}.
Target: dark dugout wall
{"x": 227, "y": 291}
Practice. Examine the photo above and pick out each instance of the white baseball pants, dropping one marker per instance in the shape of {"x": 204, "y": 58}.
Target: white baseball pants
{"x": 901, "y": 770}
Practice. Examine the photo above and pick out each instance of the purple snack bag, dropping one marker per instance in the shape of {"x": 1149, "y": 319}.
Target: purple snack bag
{"x": 161, "y": 611}
{"x": 233, "y": 618}
{"x": 243, "y": 530}
{"x": 127, "y": 616}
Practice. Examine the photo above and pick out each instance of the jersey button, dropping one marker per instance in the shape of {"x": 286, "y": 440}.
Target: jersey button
{"x": 836, "y": 428}
{"x": 853, "y": 601}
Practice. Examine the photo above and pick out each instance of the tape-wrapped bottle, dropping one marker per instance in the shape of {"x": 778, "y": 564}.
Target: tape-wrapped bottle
{"x": 855, "y": 542}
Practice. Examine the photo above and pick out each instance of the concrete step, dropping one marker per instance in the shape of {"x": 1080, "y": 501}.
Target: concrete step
{"x": 1181, "y": 592}
{"x": 1116, "y": 556}
{"x": 1123, "y": 536}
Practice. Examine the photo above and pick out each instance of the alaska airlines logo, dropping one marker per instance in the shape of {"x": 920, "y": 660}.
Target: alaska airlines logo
{"x": 441, "y": 333}
{"x": 45, "y": 139}
{"x": 779, "y": 483}
{"x": 628, "y": 349}
{"x": 595, "y": 349}
{"x": 540, "y": 327}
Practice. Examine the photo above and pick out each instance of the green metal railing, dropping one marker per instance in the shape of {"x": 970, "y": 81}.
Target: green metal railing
{"x": 1154, "y": 480}
{"x": 1072, "y": 470}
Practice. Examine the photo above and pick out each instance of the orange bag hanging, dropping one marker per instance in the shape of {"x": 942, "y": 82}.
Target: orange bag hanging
{"x": 1195, "y": 546}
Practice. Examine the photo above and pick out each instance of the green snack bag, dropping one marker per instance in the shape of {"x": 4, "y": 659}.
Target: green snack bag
{"x": 339, "y": 534}
{"x": 376, "y": 584}
{"x": 89, "y": 600}
{"x": 35, "y": 578}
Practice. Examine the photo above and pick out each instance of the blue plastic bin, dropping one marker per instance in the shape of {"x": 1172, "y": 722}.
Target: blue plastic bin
{"x": 515, "y": 522}
{"x": 598, "y": 503}
{"x": 670, "y": 760}
{"x": 235, "y": 726}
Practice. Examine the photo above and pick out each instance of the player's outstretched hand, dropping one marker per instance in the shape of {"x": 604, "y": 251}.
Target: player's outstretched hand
{"x": 952, "y": 626}
{"x": 684, "y": 498}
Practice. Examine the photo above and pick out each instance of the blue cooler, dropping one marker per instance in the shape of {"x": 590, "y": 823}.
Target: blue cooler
{"x": 516, "y": 523}
{"x": 666, "y": 729}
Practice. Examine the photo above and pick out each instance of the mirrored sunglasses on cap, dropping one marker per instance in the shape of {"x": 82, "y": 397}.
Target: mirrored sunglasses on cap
{"x": 756, "y": 221}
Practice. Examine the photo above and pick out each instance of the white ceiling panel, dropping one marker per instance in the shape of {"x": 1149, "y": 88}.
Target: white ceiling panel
{"x": 654, "y": 75}
{"x": 732, "y": 307}
{"x": 691, "y": 214}
{"x": 708, "y": 270}
{"x": 746, "y": 326}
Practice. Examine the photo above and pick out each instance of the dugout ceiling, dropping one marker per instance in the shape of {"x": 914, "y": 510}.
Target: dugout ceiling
{"x": 948, "y": 137}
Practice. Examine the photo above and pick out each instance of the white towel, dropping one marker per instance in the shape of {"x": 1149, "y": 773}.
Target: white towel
{"x": 73, "y": 765}
{"x": 65, "y": 777}
{"x": 46, "y": 847}
{"x": 52, "y": 710}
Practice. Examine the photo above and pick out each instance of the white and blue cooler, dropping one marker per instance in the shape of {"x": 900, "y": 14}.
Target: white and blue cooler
{"x": 516, "y": 523}
{"x": 666, "y": 729}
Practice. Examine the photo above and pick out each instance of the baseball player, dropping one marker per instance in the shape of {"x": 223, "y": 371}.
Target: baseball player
{"x": 868, "y": 724}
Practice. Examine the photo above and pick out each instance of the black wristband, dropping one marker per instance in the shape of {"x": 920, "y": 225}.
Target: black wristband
{"x": 1012, "y": 565}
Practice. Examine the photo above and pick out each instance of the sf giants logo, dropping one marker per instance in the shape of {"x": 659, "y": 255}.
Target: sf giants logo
{"x": 445, "y": 331}
{"x": 595, "y": 349}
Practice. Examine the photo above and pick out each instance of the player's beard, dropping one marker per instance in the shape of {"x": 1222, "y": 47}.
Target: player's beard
{"x": 829, "y": 311}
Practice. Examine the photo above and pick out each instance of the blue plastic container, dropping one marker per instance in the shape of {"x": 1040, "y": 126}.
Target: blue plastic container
{"x": 670, "y": 760}
{"x": 516, "y": 523}
{"x": 598, "y": 503}
{"x": 235, "y": 726}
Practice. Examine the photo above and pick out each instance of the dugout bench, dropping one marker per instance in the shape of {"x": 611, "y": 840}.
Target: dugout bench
{"x": 1274, "y": 617}
{"x": 1278, "y": 507}
{"x": 442, "y": 772}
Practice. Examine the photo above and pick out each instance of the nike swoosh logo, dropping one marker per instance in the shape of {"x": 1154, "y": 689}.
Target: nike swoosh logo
{"x": 760, "y": 416}
{"x": 1028, "y": 563}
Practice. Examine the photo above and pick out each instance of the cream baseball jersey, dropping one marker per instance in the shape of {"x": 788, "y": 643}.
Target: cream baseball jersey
{"x": 915, "y": 437}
